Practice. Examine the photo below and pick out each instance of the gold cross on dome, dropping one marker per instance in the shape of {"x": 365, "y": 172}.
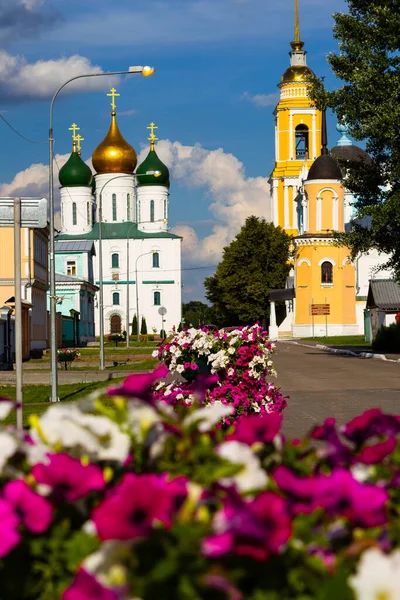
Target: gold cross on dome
{"x": 74, "y": 128}
{"x": 113, "y": 95}
{"x": 152, "y": 137}
{"x": 79, "y": 139}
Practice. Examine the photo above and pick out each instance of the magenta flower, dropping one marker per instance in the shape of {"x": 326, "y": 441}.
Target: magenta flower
{"x": 371, "y": 423}
{"x": 257, "y": 428}
{"x": 86, "y": 587}
{"x": 34, "y": 511}
{"x": 133, "y": 507}
{"x": 256, "y": 528}
{"x": 336, "y": 452}
{"x": 139, "y": 386}
{"x": 9, "y": 536}
{"x": 300, "y": 491}
{"x": 371, "y": 455}
{"x": 69, "y": 479}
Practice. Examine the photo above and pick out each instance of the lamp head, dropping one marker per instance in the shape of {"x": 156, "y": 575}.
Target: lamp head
{"x": 148, "y": 71}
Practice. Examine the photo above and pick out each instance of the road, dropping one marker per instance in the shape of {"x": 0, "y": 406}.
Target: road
{"x": 321, "y": 384}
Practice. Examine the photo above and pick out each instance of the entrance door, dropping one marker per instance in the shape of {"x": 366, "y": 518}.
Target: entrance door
{"x": 115, "y": 324}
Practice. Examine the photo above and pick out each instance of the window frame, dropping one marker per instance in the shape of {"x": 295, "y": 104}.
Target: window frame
{"x": 72, "y": 267}
{"x": 302, "y": 132}
{"x": 156, "y": 259}
{"x": 116, "y": 261}
{"x": 114, "y": 207}
{"x": 74, "y": 214}
{"x": 116, "y": 295}
{"x": 128, "y": 207}
{"x": 326, "y": 273}
{"x": 157, "y": 296}
{"x": 152, "y": 211}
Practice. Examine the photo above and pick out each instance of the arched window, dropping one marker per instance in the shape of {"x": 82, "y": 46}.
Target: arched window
{"x": 165, "y": 209}
{"x": 114, "y": 207}
{"x": 326, "y": 272}
{"x": 139, "y": 212}
{"x": 128, "y": 207}
{"x": 302, "y": 142}
{"x": 152, "y": 211}
{"x": 115, "y": 298}
{"x": 156, "y": 260}
{"x": 74, "y": 213}
{"x": 88, "y": 213}
{"x": 157, "y": 299}
{"x": 115, "y": 261}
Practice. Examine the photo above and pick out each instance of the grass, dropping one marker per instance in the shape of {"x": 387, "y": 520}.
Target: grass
{"x": 36, "y": 397}
{"x": 342, "y": 340}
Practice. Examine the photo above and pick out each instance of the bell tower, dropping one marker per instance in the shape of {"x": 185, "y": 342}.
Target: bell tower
{"x": 297, "y": 134}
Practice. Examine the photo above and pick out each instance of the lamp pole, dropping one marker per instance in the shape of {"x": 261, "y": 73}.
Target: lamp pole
{"x": 146, "y": 71}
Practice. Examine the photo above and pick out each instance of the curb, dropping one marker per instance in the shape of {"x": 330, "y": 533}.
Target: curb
{"x": 343, "y": 352}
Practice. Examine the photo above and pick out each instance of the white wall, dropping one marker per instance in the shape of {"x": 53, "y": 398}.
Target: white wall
{"x": 159, "y": 195}
{"x": 121, "y": 185}
{"x": 82, "y": 196}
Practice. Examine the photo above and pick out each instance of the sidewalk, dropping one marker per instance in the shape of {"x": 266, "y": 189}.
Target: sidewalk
{"x": 356, "y": 351}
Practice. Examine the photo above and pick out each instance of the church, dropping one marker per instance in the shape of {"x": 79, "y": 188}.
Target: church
{"x": 114, "y": 229}
{"x": 326, "y": 290}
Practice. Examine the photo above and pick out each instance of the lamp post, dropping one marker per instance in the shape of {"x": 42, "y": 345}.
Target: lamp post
{"x": 146, "y": 72}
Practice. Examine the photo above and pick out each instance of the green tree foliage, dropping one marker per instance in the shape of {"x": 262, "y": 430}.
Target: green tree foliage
{"x": 143, "y": 327}
{"x": 134, "y": 325}
{"x": 368, "y": 65}
{"x": 255, "y": 262}
{"x": 197, "y": 313}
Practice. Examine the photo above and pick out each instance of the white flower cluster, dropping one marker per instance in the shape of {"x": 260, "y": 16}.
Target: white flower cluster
{"x": 219, "y": 360}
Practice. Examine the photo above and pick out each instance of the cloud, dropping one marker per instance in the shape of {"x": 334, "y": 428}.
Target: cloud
{"x": 127, "y": 113}
{"x": 233, "y": 195}
{"x": 22, "y": 80}
{"x": 25, "y": 18}
{"x": 261, "y": 100}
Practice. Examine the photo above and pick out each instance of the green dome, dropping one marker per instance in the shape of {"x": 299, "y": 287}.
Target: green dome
{"x": 75, "y": 172}
{"x": 152, "y": 163}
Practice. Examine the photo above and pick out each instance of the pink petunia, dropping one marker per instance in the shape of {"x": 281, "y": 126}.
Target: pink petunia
{"x": 256, "y": 428}
{"x": 69, "y": 479}
{"x": 86, "y": 587}
{"x": 34, "y": 511}
{"x": 371, "y": 423}
{"x": 133, "y": 507}
{"x": 139, "y": 385}
{"x": 9, "y": 521}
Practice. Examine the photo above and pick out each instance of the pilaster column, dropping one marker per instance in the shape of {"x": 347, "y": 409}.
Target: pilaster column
{"x": 335, "y": 213}
{"x": 275, "y": 210}
{"x": 314, "y": 135}
{"x": 291, "y": 136}
{"x": 273, "y": 328}
{"x": 286, "y": 217}
{"x": 276, "y": 140}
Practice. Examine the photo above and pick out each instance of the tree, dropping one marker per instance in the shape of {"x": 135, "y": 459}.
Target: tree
{"x": 368, "y": 64}
{"x": 255, "y": 262}
{"x": 143, "y": 327}
{"x": 134, "y": 325}
{"x": 197, "y": 313}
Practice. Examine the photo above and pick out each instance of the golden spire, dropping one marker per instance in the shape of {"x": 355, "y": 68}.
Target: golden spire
{"x": 153, "y": 139}
{"x": 79, "y": 139}
{"x": 297, "y": 44}
{"x": 113, "y": 95}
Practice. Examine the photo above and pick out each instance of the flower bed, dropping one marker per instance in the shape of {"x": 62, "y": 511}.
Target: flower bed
{"x": 239, "y": 363}
{"x": 67, "y": 356}
{"x": 145, "y": 501}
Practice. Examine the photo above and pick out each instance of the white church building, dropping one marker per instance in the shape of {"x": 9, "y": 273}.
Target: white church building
{"x": 141, "y": 258}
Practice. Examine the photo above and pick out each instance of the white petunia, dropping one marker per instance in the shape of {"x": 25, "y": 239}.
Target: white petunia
{"x": 252, "y": 476}
{"x": 6, "y": 406}
{"x": 378, "y": 576}
{"x": 8, "y": 447}
{"x": 141, "y": 417}
{"x": 155, "y": 354}
{"x": 209, "y": 415}
{"x": 108, "y": 563}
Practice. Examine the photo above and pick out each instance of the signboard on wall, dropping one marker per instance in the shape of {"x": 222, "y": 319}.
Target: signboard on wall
{"x": 320, "y": 309}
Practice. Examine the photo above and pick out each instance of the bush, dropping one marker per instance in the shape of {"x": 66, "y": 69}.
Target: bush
{"x": 36, "y": 353}
{"x": 143, "y": 327}
{"x": 134, "y": 325}
{"x": 144, "y": 337}
{"x": 163, "y": 335}
{"x": 387, "y": 339}
{"x": 180, "y": 327}
{"x": 150, "y": 337}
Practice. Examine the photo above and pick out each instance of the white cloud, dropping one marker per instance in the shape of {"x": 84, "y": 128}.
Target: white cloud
{"x": 127, "y": 113}
{"x": 41, "y": 79}
{"x": 233, "y": 195}
{"x": 261, "y": 100}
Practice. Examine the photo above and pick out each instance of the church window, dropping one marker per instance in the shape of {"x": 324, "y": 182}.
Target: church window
{"x": 74, "y": 213}
{"x": 157, "y": 299}
{"x": 152, "y": 211}
{"x": 115, "y": 298}
{"x": 156, "y": 260}
{"x": 128, "y": 207}
{"x": 88, "y": 213}
{"x": 165, "y": 209}
{"x": 115, "y": 261}
{"x": 326, "y": 273}
{"x": 302, "y": 142}
{"x": 139, "y": 212}
{"x": 71, "y": 268}
{"x": 114, "y": 207}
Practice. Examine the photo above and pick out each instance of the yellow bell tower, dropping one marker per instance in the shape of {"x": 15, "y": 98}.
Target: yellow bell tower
{"x": 297, "y": 135}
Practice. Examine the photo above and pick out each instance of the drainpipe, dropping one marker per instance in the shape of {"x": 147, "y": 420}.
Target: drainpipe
{"x": 29, "y": 284}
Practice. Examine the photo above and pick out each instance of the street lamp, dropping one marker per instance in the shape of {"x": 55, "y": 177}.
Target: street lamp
{"x": 146, "y": 72}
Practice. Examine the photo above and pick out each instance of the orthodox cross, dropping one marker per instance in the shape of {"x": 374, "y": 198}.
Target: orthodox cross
{"x": 113, "y": 95}
{"x": 152, "y": 137}
{"x": 74, "y": 128}
{"x": 79, "y": 139}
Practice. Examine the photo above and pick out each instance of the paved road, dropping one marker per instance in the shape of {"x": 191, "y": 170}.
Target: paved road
{"x": 321, "y": 384}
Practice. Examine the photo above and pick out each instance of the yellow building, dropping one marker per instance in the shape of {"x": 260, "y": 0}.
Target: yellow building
{"x": 34, "y": 270}
{"x": 308, "y": 201}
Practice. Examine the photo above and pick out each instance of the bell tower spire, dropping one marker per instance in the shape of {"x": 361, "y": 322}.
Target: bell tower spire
{"x": 296, "y": 22}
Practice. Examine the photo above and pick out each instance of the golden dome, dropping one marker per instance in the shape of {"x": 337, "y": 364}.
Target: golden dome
{"x": 297, "y": 74}
{"x": 114, "y": 154}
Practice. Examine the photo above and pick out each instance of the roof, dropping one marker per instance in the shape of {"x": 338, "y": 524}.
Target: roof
{"x": 384, "y": 294}
{"x": 280, "y": 295}
{"x": 79, "y": 246}
{"x": 351, "y": 153}
{"x": 324, "y": 167}
{"x": 61, "y": 278}
{"x": 118, "y": 231}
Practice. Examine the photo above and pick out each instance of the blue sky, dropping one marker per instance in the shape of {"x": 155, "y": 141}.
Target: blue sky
{"x": 218, "y": 64}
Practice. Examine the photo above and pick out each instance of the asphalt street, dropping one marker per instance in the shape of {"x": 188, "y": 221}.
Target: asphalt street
{"x": 321, "y": 385}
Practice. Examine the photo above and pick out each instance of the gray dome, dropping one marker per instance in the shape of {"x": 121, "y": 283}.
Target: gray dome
{"x": 325, "y": 167}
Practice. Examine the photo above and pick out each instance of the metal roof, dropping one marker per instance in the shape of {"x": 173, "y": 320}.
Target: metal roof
{"x": 61, "y": 278}
{"x": 74, "y": 246}
{"x": 119, "y": 231}
{"x": 384, "y": 294}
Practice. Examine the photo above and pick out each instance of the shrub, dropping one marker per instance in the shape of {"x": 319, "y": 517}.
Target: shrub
{"x": 36, "y": 353}
{"x": 143, "y": 327}
{"x": 134, "y": 325}
{"x": 180, "y": 327}
{"x": 116, "y": 338}
{"x": 387, "y": 339}
{"x": 150, "y": 337}
{"x": 144, "y": 338}
{"x": 67, "y": 356}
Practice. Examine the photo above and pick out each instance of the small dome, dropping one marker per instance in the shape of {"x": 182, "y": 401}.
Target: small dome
{"x": 351, "y": 153}
{"x": 114, "y": 154}
{"x": 75, "y": 172}
{"x": 152, "y": 163}
{"x": 325, "y": 167}
{"x": 296, "y": 74}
